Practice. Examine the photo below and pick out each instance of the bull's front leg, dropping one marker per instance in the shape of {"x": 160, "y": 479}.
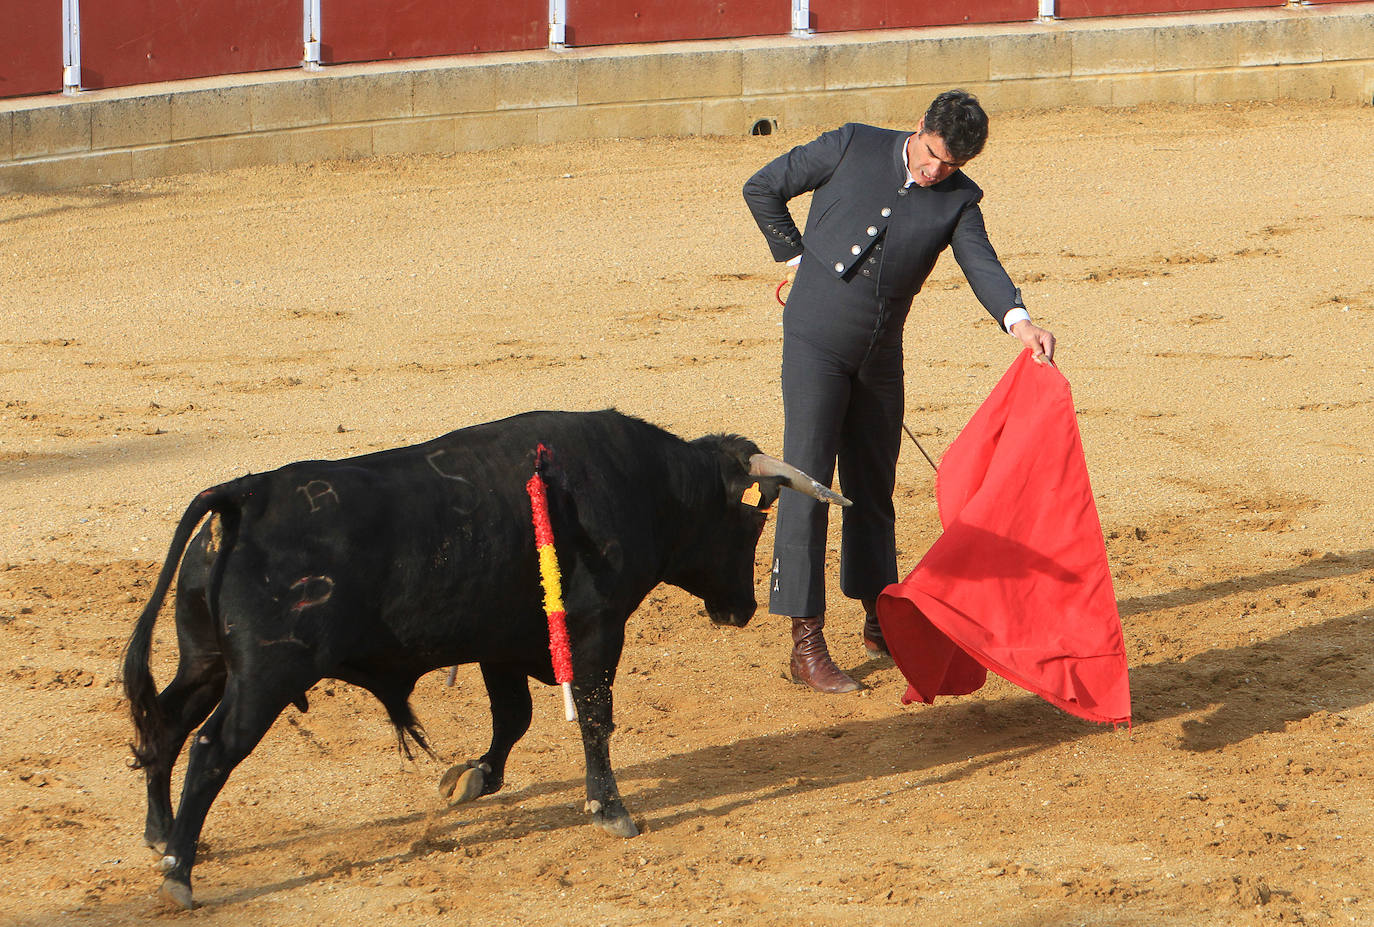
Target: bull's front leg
{"x": 593, "y": 698}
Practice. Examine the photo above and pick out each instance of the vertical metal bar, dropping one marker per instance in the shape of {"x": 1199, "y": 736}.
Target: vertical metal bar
{"x": 801, "y": 18}
{"x": 1047, "y": 9}
{"x": 558, "y": 24}
{"x": 310, "y": 34}
{"x": 71, "y": 46}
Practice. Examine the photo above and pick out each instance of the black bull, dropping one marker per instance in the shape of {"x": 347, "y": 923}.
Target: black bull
{"x": 378, "y": 569}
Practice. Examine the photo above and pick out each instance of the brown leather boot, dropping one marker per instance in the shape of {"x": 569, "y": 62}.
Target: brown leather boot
{"x": 811, "y": 661}
{"x": 873, "y": 631}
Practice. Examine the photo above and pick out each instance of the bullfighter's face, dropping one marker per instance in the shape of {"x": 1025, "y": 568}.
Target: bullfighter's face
{"x": 928, "y": 157}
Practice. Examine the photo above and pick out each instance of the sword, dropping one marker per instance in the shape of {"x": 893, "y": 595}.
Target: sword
{"x": 919, "y": 448}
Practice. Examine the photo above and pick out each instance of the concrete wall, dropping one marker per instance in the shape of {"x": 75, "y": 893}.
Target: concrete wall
{"x": 709, "y": 87}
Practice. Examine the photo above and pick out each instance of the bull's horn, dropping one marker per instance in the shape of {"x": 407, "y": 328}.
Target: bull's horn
{"x": 763, "y": 465}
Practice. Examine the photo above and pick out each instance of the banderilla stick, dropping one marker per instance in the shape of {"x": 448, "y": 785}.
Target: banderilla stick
{"x": 919, "y": 448}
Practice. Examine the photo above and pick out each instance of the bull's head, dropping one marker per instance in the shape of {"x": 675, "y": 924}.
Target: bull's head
{"x": 721, "y": 570}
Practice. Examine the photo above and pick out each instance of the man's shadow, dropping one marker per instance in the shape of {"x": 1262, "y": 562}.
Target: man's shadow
{"x": 1251, "y": 689}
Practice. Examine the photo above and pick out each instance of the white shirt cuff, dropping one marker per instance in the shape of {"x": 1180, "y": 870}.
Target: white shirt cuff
{"x": 1013, "y": 316}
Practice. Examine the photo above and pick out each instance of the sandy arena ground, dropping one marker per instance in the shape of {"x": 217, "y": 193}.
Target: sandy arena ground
{"x": 1208, "y": 272}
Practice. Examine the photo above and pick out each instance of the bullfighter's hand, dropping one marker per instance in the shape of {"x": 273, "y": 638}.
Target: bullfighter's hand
{"x": 1039, "y": 340}
{"x": 789, "y": 274}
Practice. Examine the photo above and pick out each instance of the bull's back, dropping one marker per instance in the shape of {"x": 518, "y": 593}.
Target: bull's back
{"x": 430, "y": 548}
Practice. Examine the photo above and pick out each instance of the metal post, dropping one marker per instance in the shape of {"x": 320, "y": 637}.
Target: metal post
{"x": 71, "y": 46}
{"x": 310, "y": 34}
{"x": 558, "y": 24}
{"x": 1047, "y": 10}
{"x": 801, "y": 19}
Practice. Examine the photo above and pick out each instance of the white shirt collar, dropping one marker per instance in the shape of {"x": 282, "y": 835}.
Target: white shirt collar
{"x": 907, "y": 164}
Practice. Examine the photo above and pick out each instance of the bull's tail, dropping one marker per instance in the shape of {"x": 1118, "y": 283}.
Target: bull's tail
{"x": 139, "y": 687}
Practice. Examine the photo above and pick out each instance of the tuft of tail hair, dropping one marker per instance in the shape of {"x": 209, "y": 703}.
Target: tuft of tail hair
{"x": 408, "y": 726}
{"x": 149, "y": 721}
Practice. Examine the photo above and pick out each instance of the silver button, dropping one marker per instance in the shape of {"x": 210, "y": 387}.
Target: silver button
{"x": 855, "y": 250}
{"x": 873, "y": 230}
{"x": 887, "y": 211}
{"x": 838, "y": 267}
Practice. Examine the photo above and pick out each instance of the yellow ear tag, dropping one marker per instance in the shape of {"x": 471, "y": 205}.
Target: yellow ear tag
{"x": 752, "y": 496}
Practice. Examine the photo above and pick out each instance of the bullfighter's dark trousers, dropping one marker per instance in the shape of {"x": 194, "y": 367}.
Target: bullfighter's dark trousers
{"x": 842, "y": 388}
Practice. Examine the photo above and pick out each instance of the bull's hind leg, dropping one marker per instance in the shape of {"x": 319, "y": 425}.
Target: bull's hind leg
{"x": 511, "y": 710}
{"x": 185, "y": 703}
{"x": 246, "y": 711}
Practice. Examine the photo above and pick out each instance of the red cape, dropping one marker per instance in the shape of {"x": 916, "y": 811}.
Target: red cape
{"x": 1018, "y": 583}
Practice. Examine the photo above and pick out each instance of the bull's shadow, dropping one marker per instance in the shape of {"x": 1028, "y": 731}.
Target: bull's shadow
{"x": 1250, "y": 689}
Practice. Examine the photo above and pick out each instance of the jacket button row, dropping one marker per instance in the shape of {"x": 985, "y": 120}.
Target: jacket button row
{"x": 839, "y": 268}
{"x": 872, "y": 230}
{"x": 887, "y": 211}
{"x": 855, "y": 249}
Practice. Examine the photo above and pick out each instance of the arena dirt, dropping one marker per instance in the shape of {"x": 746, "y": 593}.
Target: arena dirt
{"x": 1208, "y": 272}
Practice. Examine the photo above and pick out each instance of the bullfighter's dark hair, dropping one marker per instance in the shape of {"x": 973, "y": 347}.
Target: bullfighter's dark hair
{"x": 958, "y": 118}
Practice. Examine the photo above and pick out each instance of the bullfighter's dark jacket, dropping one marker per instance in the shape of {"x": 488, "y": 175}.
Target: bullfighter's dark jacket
{"x": 861, "y": 197}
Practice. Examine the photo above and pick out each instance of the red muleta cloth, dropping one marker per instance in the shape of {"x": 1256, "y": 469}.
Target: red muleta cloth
{"x": 1018, "y": 583}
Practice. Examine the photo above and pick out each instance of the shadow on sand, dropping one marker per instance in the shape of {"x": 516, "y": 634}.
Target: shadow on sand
{"x": 1250, "y": 689}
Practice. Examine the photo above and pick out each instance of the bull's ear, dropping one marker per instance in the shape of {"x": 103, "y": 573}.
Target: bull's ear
{"x": 762, "y": 492}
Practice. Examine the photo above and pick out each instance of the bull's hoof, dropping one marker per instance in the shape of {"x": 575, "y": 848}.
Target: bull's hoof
{"x": 177, "y": 892}
{"x": 616, "y": 822}
{"x": 157, "y": 844}
{"x": 463, "y": 782}
{"x": 619, "y": 825}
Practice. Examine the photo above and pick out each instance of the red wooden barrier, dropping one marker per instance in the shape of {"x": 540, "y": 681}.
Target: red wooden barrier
{"x": 30, "y": 47}
{"x": 145, "y": 41}
{"x": 624, "y": 22}
{"x": 848, "y": 16}
{"x": 1073, "y": 9}
{"x": 376, "y": 30}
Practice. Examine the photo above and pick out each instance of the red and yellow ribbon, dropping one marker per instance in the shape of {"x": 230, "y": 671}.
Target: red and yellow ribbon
{"x": 559, "y": 647}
